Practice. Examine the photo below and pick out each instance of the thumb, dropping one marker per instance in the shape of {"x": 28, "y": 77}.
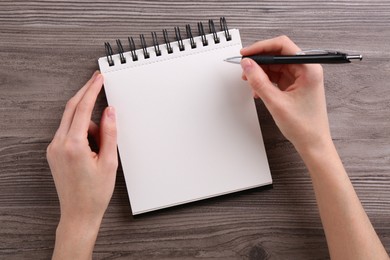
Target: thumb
{"x": 108, "y": 134}
{"x": 259, "y": 81}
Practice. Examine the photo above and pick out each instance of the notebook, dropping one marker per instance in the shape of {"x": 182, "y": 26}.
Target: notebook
{"x": 187, "y": 123}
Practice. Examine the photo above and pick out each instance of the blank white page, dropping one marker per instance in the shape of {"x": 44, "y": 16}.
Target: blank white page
{"x": 187, "y": 124}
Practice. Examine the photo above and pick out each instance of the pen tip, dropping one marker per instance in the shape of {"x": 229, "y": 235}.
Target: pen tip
{"x": 234, "y": 60}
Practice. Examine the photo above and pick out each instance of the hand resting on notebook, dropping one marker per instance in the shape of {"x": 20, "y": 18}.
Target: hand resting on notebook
{"x": 84, "y": 179}
{"x": 294, "y": 95}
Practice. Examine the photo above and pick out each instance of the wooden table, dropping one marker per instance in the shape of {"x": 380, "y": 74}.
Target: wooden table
{"x": 48, "y": 49}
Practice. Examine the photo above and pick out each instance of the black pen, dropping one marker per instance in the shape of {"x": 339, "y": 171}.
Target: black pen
{"x": 303, "y": 57}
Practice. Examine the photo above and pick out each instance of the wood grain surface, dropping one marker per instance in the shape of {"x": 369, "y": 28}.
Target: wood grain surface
{"x": 48, "y": 49}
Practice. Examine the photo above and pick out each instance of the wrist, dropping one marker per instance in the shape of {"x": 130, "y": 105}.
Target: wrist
{"x": 323, "y": 163}
{"x": 79, "y": 227}
{"x": 315, "y": 145}
{"x": 83, "y": 232}
{"x": 75, "y": 238}
{"x": 319, "y": 150}
{"x": 76, "y": 217}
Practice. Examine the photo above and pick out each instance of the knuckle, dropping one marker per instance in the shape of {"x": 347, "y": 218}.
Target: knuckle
{"x": 69, "y": 148}
{"x": 110, "y": 131}
{"x": 84, "y": 105}
{"x": 284, "y": 38}
{"x": 71, "y": 104}
{"x": 314, "y": 73}
{"x": 319, "y": 68}
{"x": 53, "y": 149}
{"x": 49, "y": 150}
{"x": 72, "y": 147}
{"x": 257, "y": 84}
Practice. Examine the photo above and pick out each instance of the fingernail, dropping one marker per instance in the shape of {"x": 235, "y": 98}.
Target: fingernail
{"x": 111, "y": 113}
{"x": 94, "y": 74}
{"x": 98, "y": 76}
{"x": 246, "y": 65}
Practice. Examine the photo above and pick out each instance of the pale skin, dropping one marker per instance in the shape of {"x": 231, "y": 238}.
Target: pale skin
{"x": 294, "y": 95}
{"x": 84, "y": 179}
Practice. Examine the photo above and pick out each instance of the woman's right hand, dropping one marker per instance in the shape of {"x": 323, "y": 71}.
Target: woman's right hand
{"x": 294, "y": 94}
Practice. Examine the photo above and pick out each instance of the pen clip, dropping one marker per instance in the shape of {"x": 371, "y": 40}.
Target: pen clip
{"x": 318, "y": 52}
{"x": 329, "y": 52}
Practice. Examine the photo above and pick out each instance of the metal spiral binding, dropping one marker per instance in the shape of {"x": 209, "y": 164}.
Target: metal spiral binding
{"x": 225, "y": 28}
{"x": 143, "y": 43}
{"x": 179, "y": 39}
{"x": 212, "y": 30}
{"x": 132, "y": 48}
{"x": 189, "y": 35}
{"x": 109, "y": 53}
{"x": 155, "y": 44}
{"x": 202, "y": 34}
{"x": 120, "y": 51}
{"x": 167, "y": 42}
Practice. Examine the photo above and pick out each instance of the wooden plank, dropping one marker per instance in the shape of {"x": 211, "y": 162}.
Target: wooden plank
{"x": 48, "y": 49}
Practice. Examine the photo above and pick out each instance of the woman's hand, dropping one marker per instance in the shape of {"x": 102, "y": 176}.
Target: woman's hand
{"x": 297, "y": 104}
{"x": 84, "y": 179}
{"x": 294, "y": 94}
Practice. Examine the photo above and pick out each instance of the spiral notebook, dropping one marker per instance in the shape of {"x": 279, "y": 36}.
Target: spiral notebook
{"x": 187, "y": 123}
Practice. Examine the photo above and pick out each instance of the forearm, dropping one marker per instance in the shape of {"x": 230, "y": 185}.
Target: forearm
{"x": 75, "y": 240}
{"x": 348, "y": 230}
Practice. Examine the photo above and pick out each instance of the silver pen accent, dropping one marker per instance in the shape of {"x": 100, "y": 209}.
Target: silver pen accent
{"x": 355, "y": 57}
{"x": 235, "y": 59}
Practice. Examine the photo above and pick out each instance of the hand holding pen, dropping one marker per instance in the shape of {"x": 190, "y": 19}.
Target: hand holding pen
{"x": 297, "y": 104}
{"x": 295, "y": 97}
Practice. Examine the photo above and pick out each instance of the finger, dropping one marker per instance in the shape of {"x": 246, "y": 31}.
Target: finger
{"x": 71, "y": 107}
{"x": 281, "y": 45}
{"x": 83, "y": 113}
{"x": 259, "y": 81}
{"x": 108, "y": 139}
